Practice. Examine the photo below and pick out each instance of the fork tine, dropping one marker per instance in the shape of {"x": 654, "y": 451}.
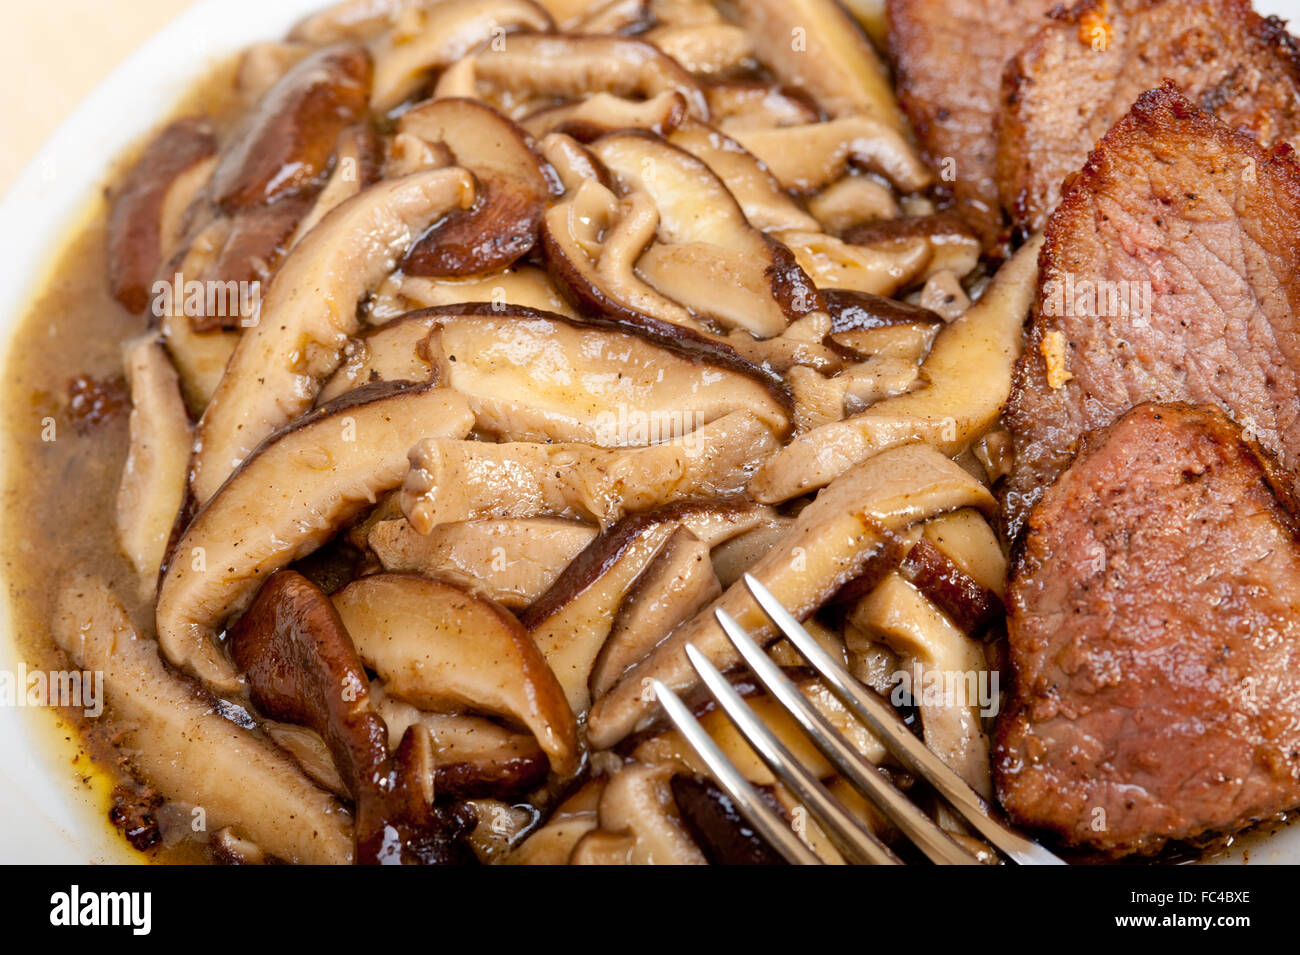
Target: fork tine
{"x": 915, "y": 824}
{"x": 914, "y": 754}
{"x": 768, "y": 824}
{"x": 851, "y": 837}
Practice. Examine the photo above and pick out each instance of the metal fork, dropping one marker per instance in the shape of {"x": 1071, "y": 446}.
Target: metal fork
{"x": 857, "y": 843}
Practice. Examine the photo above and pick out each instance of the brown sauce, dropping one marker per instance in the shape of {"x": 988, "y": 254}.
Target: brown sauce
{"x": 58, "y": 494}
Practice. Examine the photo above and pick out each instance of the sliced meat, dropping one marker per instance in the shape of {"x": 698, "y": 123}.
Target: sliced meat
{"x": 1168, "y": 273}
{"x": 949, "y": 56}
{"x": 1154, "y": 641}
{"x": 1081, "y": 72}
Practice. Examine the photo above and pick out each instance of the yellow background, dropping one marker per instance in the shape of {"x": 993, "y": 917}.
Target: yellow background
{"x": 56, "y": 52}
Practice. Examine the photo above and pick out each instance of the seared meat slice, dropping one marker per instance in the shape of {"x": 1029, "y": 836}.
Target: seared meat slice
{"x": 949, "y": 56}
{"x": 1169, "y": 274}
{"x": 1154, "y": 640}
{"x": 1083, "y": 70}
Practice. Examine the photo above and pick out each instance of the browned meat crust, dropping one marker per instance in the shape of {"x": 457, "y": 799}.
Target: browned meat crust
{"x": 1188, "y": 230}
{"x": 1154, "y": 641}
{"x": 1083, "y": 70}
{"x": 949, "y": 56}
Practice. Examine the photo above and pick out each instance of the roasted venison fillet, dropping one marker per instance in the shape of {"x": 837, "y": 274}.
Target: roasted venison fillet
{"x": 1080, "y": 73}
{"x": 948, "y": 56}
{"x": 1177, "y": 212}
{"x": 1154, "y": 641}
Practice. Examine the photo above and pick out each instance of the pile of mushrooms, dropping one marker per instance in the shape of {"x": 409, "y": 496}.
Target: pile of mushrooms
{"x": 574, "y": 312}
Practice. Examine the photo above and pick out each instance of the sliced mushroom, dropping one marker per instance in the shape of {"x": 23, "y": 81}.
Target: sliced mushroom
{"x": 813, "y": 45}
{"x": 139, "y": 222}
{"x": 734, "y": 558}
{"x": 881, "y": 269}
{"x": 572, "y": 618}
{"x": 438, "y": 647}
{"x": 766, "y": 205}
{"x": 573, "y": 67}
{"x": 186, "y": 748}
{"x": 971, "y": 606}
{"x": 804, "y": 342}
{"x": 352, "y": 19}
{"x": 851, "y": 201}
{"x": 499, "y": 826}
{"x": 909, "y": 341}
{"x": 705, "y": 50}
{"x": 639, "y": 823}
{"x": 955, "y": 247}
{"x": 464, "y": 480}
{"x": 152, "y": 487}
{"x": 290, "y": 496}
{"x": 538, "y": 376}
{"x": 553, "y": 843}
{"x": 356, "y": 166}
{"x": 718, "y": 827}
{"x": 431, "y": 37}
{"x": 278, "y": 365}
{"x": 943, "y": 662}
{"x": 572, "y": 161}
{"x": 967, "y": 379}
{"x": 832, "y": 540}
{"x": 472, "y": 755}
{"x": 310, "y": 753}
{"x": 709, "y": 257}
{"x": 603, "y": 113}
{"x": 514, "y": 188}
{"x": 811, "y": 157}
{"x": 535, "y": 376}
{"x": 943, "y": 294}
{"x": 857, "y": 311}
{"x": 302, "y": 668}
{"x": 200, "y": 357}
{"x": 615, "y": 16}
{"x": 524, "y": 285}
{"x": 251, "y": 250}
{"x": 968, "y": 541}
{"x": 819, "y": 400}
{"x": 571, "y": 621}
{"x": 739, "y": 105}
{"x": 286, "y": 146}
{"x": 262, "y": 65}
{"x": 673, "y": 586}
{"x": 592, "y": 241}
{"x": 865, "y": 325}
{"x": 510, "y": 561}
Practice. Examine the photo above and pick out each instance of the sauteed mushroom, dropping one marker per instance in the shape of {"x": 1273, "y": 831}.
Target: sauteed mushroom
{"x": 296, "y": 343}
{"x": 187, "y": 748}
{"x": 286, "y": 499}
{"x": 435, "y": 35}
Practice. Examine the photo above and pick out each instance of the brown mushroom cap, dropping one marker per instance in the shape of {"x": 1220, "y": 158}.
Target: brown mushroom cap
{"x": 302, "y": 668}
{"x": 286, "y": 146}
{"x": 438, "y": 647}
{"x": 135, "y": 222}
{"x": 514, "y": 182}
{"x": 568, "y": 67}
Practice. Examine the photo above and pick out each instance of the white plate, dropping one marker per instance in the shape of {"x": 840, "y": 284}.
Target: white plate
{"x": 44, "y": 816}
